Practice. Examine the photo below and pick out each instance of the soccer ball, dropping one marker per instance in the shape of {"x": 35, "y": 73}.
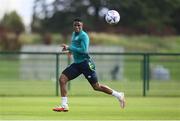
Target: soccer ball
{"x": 112, "y": 17}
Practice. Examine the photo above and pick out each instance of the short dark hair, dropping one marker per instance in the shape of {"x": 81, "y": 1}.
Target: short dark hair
{"x": 77, "y": 19}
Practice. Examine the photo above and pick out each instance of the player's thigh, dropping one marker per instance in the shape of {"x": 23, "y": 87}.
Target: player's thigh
{"x": 71, "y": 72}
{"x": 88, "y": 70}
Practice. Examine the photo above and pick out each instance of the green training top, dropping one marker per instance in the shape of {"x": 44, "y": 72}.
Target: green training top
{"x": 79, "y": 46}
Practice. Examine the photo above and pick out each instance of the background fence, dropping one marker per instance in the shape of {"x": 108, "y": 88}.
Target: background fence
{"x": 36, "y": 74}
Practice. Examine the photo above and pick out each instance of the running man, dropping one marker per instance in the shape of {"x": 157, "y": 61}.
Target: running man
{"x": 82, "y": 64}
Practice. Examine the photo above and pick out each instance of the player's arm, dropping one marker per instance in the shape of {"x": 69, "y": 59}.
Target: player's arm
{"x": 65, "y": 49}
{"x": 83, "y": 48}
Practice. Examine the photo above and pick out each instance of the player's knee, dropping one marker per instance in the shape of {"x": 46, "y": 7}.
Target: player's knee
{"x": 96, "y": 87}
{"x": 63, "y": 79}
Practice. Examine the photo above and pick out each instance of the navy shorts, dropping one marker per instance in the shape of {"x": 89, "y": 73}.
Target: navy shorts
{"x": 87, "y": 68}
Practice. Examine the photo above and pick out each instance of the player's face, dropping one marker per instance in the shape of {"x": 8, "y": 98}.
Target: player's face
{"x": 77, "y": 26}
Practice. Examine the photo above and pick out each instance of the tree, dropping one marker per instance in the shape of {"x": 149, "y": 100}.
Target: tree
{"x": 13, "y": 22}
{"x": 12, "y": 26}
{"x": 143, "y": 16}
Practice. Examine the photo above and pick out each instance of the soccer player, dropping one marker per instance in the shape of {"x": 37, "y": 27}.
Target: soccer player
{"x": 82, "y": 64}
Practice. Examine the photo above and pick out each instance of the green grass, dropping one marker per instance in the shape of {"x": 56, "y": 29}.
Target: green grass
{"x": 27, "y": 88}
{"x": 34, "y": 100}
{"x": 143, "y": 43}
{"x": 89, "y": 108}
{"x": 33, "y": 38}
{"x": 9, "y": 68}
{"x": 83, "y": 88}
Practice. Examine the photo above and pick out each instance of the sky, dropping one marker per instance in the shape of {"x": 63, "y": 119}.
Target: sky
{"x": 22, "y": 7}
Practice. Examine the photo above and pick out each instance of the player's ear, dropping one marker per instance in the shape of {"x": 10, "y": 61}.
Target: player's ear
{"x": 82, "y": 24}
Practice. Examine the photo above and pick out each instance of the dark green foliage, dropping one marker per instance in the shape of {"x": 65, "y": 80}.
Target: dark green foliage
{"x": 11, "y": 26}
{"x": 160, "y": 17}
{"x": 12, "y": 22}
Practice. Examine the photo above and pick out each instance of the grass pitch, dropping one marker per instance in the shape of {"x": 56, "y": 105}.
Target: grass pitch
{"x": 90, "y": 108}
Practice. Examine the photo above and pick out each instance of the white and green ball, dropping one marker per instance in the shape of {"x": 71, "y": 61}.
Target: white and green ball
{"x": 112, "y": 17}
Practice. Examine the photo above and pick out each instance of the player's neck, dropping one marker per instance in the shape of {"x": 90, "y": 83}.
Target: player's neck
{"x": 78, "y": 32}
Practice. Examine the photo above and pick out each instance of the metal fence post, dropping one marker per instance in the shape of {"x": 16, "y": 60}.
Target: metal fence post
{"x": 147, "y": 71}
{"x": 57, "y": 74}
{"x": 144, "y": 74}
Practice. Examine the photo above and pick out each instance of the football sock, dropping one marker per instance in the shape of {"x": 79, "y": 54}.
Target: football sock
{"x": 64, "y": 100}
{"x": 116, "y": 94}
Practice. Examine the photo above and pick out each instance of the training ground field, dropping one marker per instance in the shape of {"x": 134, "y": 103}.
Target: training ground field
{"x": 24, "y": 100}
{"x": 90, "y": 108}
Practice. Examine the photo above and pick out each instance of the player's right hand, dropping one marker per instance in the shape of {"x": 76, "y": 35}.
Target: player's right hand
{"x": 65, "y": 47}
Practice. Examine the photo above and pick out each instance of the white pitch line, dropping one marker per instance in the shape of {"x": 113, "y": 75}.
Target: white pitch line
{"x": 90, "y": 120}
